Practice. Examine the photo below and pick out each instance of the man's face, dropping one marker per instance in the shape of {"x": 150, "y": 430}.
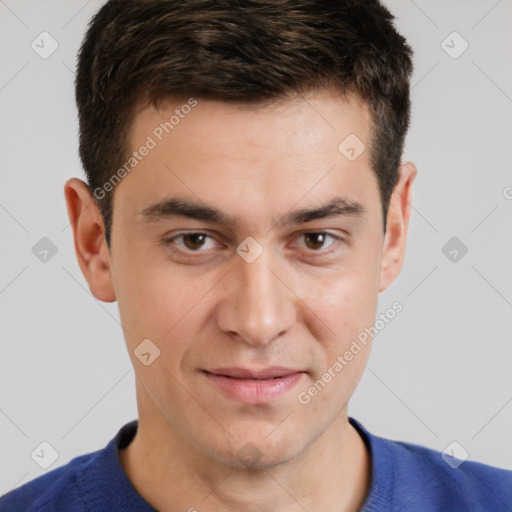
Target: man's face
{"x": 295, "y": 294}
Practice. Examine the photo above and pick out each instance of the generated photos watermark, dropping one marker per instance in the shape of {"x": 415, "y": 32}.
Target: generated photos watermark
{"x": 152, "y": 141}
{"x": 367, "y": 334}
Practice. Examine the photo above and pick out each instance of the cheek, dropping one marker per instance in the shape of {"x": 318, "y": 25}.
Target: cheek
{"x": 347, "y": 305}
{"x": 347, "y": 309}
{"x": 346, "y": 299}
{"x": 155, "y": 299}
{"x": 176, "y": 310}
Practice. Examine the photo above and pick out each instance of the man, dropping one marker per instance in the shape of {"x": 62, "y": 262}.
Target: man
{"x": 245, "y": 204}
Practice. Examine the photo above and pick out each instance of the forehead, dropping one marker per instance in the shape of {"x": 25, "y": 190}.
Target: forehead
{"x": 258, "y": 157}
{"x": 319, "y": 117}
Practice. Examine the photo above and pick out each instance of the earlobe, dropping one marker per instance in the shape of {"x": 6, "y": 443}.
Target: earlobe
{"x": 393, "y": 251}
{"x": 89, "y": 239}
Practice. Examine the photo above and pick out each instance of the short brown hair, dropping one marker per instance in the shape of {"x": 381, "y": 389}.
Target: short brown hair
{"x": 249, "y": 51}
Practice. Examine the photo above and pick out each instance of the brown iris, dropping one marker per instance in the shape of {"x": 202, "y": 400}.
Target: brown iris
{"x": 315, "y": 240}
{"x": 194, "y": 240}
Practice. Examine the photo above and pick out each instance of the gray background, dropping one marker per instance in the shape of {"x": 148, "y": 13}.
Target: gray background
{"x": 439, "y": 372}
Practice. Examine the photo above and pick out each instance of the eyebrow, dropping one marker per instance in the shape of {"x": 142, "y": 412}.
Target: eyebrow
{"x": 177, "y": 207}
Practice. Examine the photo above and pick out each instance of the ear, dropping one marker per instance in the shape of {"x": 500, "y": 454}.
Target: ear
{"x": 89, "y": 234}
{"x": 393, "y": 251}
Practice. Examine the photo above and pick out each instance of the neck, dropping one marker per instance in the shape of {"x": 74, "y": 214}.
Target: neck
{"x": 172, "y": 474}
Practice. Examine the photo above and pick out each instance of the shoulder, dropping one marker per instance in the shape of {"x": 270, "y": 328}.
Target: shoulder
{"x": 94, "y": 481}
{"x": 411, "y": 477}
{"x": 58, "y": 489}
{"x": 449, "y": 481}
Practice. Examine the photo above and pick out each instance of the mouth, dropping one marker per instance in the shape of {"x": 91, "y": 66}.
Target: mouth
{"x": 254, "y": 386}
{"x": 271, "y": 372}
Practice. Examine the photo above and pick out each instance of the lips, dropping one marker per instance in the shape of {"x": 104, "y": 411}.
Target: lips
{"x": 270, "y": 372}
{"x": 254, "y": 386}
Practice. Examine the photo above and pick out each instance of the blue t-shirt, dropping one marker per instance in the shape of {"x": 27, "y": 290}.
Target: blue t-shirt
{"x": 405, "y": 477}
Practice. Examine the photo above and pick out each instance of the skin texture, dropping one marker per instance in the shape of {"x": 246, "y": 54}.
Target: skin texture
{"x": 298, "y": 305}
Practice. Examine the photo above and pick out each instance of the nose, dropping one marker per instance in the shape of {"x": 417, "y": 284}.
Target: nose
{"x": 257, "y": 306}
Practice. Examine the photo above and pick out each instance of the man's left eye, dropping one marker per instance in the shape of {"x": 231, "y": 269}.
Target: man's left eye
{"x": 317, "y": 240}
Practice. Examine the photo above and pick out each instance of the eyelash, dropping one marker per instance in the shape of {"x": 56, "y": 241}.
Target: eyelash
{"x": 170, "y": 240}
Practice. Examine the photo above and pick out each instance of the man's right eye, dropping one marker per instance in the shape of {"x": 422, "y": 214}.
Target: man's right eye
{"x": 191, "y": 241}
